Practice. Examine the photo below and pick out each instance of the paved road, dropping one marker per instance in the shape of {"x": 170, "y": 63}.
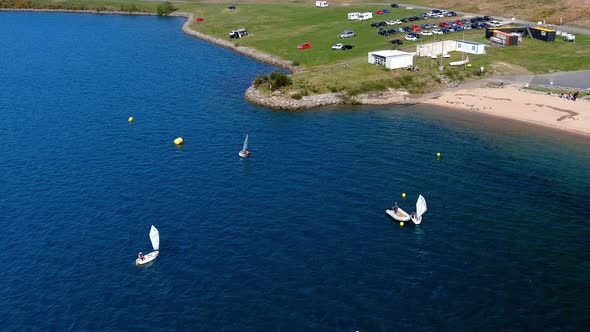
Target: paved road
{"x": 574, "y": 79}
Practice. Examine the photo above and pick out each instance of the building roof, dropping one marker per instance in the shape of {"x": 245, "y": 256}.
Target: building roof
{"x": 390, "y": 53}
{"x": 469, "y": 42}
{"x": 506, "y": 34}
{"x": 543, "y": 29}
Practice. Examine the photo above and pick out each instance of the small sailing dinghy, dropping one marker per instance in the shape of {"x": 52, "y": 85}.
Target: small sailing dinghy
{"x": 420, "y": 210}
{"x": 397, "y": 213}
{"x": 459, "y": 63}
{"x": 155, "y": 238}
{"x": 244, "y": 152}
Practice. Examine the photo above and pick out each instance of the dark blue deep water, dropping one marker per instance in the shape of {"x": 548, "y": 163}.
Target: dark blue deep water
{"x": 294, "y": 238}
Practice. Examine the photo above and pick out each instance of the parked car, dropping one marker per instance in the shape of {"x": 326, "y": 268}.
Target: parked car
{"x": 346, "y": 34}
{"x": 494, "y": 23}
{"x": 443, "y": 24}
{"x": 374, "y": 24}
{"x": 445, "y": 30}
{"x": 386, "y": 11}
{"x": 453, "y": 13}
{"x": 467, "y": 27}
{"x": 437, "y": 32}
{"x": 411, "y": 38}
{"x": 415, "y": 28}
{"x": 458, "y": 28}
{"x": 459, "y": 22}
{"x": 488, "y": 18}
{"x": 405, "y": 19}
{"x": 238, "y": 33}
{"x": 406, "y": 29}
{"x": 381, "y": 24}
{"x": 394, "y": 5}
{"x": 347, "y": 47}
{"x": 393, "y": 22}
{"x": 337, "y": 46}
{"x": 304, "y": 46}
{"x": 396, "y": 42}
{"x": 426, "y": 33}
{"x": 379, "y": 12}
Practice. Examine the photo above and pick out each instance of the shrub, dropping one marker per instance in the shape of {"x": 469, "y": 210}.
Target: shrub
{"x": 165, "y": 9}
{"x": 296, "y": 96}
{"x": 336, "y": 88}
{"x": 280, "y": 80}
{"x": 296, "y": 63}
{"x": 260, "y": 79}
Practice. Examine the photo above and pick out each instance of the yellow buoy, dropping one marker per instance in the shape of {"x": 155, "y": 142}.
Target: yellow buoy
{"x": 403, "y": 195}
{"x": 438, "y": 154}
{"x": 178, "y": 141}
{"x": 401, "y": 223}
{"x": 130, "y": 119}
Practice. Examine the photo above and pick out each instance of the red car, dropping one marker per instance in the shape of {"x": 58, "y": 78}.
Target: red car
{"x": 415, "y": 28}
{"x": 304, "y": 46}
{"x": 444, "y": 25}
{"x": 379, "y": 12}
{"x": 459, "y": 22}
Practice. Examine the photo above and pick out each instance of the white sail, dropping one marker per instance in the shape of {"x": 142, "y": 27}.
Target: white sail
{"x": 245, "y": 144}
{"x": 155, "y": 237}
{"x": 420, "y": 206}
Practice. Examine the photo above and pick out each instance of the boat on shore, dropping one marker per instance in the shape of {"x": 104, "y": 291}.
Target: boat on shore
{"x": 459, "y": 63}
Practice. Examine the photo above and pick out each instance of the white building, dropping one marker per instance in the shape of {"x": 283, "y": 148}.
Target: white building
{"x": 470, "y": 47}
{"x": 321, "y": 4}
{"x": 391, "y": 59}
{"x": 444, "y": 47}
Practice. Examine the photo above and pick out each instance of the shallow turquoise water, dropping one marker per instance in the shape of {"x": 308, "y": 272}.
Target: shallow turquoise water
{"x": 294, "y": 237}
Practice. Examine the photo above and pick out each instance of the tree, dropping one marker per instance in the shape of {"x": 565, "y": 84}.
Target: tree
{"x": 165, "y": 9}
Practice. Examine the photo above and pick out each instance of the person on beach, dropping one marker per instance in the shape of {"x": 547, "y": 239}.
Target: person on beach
{"x": 575, "y": 96}
{"x": 140, "y": 256}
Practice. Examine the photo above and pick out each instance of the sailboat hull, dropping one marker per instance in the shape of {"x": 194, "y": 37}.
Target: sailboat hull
{"x": 147, "y": 258}
{"x": 400, "y": 215}
{"x": 243, "y": 154}
{"x": 417, "y": 220}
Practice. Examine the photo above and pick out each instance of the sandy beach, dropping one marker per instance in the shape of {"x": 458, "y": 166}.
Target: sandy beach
{"x": 513, "y": 102}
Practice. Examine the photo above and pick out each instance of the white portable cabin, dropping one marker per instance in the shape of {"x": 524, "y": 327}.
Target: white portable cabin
{"x": 366, "y": 16}
{"x": 470, "y": 47}
{"x": 354, "y": 16}
{"x": 321, "y": 4}
{"x": 391, "y": 59}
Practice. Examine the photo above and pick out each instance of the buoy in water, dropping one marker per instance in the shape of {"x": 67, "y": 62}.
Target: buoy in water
{"x": 130, "y": 119}
{"x": 438, "y": 154}
{"x": 403, "y": 195}
{"x": 401, "y": 223}
{"x": 178, "y": 141}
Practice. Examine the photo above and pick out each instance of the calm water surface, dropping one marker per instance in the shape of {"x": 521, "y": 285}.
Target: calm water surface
{"x": 295, "y": 237}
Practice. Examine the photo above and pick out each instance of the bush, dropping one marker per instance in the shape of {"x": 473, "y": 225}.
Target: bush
{"x": 296, "y": 96}
{"x": 279, "y": 80}
{"x": 165, "y": 9}
{"x": 336, "y": 88}
{"x": 260, "y": 80}
{"x": 296, "y": 63}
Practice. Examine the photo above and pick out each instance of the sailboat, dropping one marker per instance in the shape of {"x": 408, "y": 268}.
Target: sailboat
{"x": 244, "y": 152}
{"x": 397, "y": 213}
{"x": 155, "y": 238}
{"x": 459, "y": 63}
{"x": 420, "y": 210}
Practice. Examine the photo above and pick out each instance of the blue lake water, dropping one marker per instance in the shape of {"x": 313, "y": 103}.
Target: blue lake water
{"x": 293, "y": 238}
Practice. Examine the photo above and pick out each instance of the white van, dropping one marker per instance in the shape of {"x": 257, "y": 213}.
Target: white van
{"x": 321, "y": 4}
{"x": 495, "y": 23}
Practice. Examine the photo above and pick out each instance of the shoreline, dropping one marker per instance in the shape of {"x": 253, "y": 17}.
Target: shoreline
{"x": 516, "y": 104}
{"x": 524, "y": 106}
